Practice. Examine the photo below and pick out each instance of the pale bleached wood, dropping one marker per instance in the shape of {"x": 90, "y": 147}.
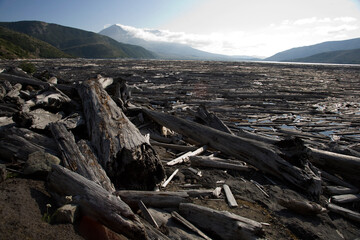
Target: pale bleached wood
{"x": 229, "y": 196}
{"x": 170, "y": 178}
{"x": 186, "y": 156}
{"x": 217, "y": 163}
{"x": 222, "y": 224}
{"x": 266, "y": 157}
{"x": 126, "y": 155}
{"x": 346, "y": 198}
{"x": 96, "y": 202}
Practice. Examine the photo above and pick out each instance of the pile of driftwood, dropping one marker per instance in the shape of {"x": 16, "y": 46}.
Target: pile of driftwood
{"x": 109, "y": 169}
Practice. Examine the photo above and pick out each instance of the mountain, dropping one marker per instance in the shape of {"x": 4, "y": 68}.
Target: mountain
{"x": 18, "y": 45}
{"x": 163, "y": 49}
{"x": 76, "y": 42}
{"x": 307, "y": 51}
{"x": 340, "y": 57}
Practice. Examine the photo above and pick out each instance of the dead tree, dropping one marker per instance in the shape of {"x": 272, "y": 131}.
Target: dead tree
{"x": 266, "y": 157}
{"x": 123, "y": 151}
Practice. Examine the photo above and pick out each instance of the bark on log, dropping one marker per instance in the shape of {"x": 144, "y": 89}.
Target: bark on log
{"x": 84, "y": 164}
{"x": 302, "y": 207}
{"x": 123, "y": 151}
{"x": 267, "y": 158}
{"x": 96, "y": 202}
{"x": 221, "y": 224}
{"x": 218, "y": 163}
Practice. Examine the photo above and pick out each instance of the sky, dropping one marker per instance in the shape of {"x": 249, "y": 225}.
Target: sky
{"x": 231, "y": 27}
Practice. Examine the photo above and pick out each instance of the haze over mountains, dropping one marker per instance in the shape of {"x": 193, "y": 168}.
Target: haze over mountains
{"x": 35, "y": 39}
{"x": 154, "y": 41}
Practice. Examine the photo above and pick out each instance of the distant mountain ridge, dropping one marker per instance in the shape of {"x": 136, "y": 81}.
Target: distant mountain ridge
{"x": 163, "y": 49}
{"x": 303, "y": 52}
{"x": 339, "y": 57}
{"x": 77, "y": 42}
{"x": 19, "y": 45}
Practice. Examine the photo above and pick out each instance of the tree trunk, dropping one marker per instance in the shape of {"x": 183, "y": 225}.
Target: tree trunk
{"x": 96, "y": 202}
{"x": 266, "y": 157}
{"x": 84, "y": 164}
{"x": 123, "y": 151}
{"x": 218, "y": 163}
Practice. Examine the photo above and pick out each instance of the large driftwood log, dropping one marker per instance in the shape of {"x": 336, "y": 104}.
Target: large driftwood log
{"x": 211, "y": 120}
{"x": 123, "y": 151}
{"x": 18, "y": 143}
{"x": 347, "y": 213}
{"x": 222, "y": 224}
{"x": 96, "y": 202}
{"x": 83, "y": 162}
{"x": 345, "y": 165}
{"x": 266, "y": 157}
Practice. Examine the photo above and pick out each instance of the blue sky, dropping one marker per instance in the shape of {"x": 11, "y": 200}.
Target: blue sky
{"x": 233, "y": 27}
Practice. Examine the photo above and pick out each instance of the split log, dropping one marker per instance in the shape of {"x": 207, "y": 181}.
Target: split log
{"x": 152, "y": 198}
{"x": 123, "y": 151}
{"x": 173, "y": 228}
{"x": 188, "y": 224}
{"x": 222, "y": 224}
{"x": 345, "y": 165}
{"x": 147, "y": 215}
{"x": 18, "y": 143}
{"x": 218, "y": 163}
{"x": 347, "y": 213}
{"x": 96, "y": 202}
{"x": 346, "y": 198}
{"x": 74, "y": 160}
{"x": 211, "y": 120}
{"x": 267, "y": 158}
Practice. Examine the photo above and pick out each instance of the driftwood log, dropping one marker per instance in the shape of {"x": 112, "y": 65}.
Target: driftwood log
{"x": 222, "y": 224}
{"x": 345, "y": 165}
{"x": 218, "y": 163}
{"x": 96, "y": 202}
{"x": 81, "y": 161}
{"x": 266, "y": 157}
{"x": 18, "y": 143}
{"x": 123, "y": 151}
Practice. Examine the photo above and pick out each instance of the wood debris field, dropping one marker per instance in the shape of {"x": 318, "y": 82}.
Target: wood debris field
{"x": 150, "y": 149}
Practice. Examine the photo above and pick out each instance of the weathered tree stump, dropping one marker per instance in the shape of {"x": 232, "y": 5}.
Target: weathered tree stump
{"x": 123, "y": 151}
